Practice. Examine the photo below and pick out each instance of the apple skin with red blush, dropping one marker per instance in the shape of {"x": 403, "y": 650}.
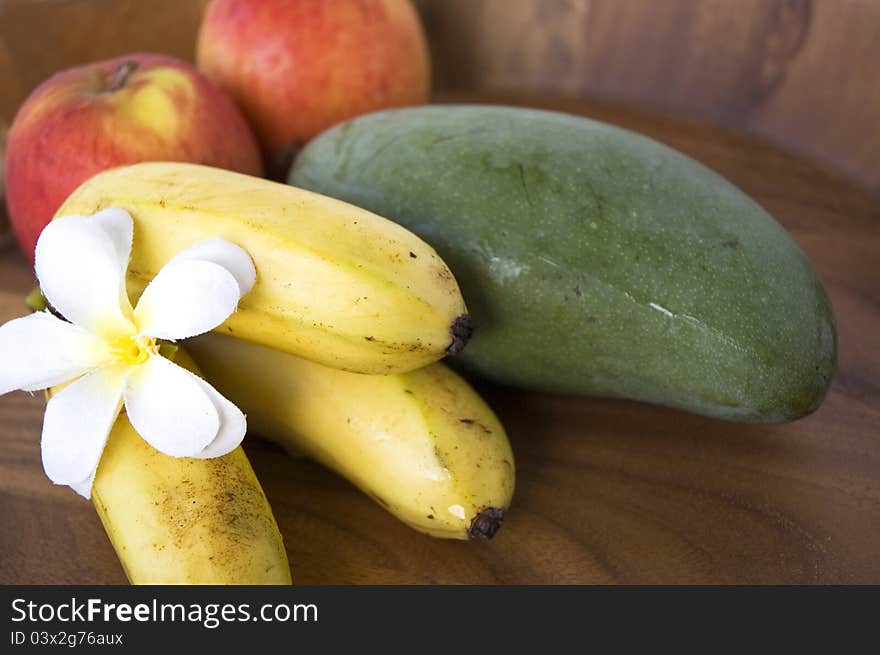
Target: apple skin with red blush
{"x": 297, "y": 67}
{"x": 140, "y": 107}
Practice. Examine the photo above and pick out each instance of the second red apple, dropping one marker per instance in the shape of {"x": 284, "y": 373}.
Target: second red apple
{"x": 299, "y": 66}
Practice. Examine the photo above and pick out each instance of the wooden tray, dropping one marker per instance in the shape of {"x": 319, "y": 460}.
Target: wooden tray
{"x": 607, "y": 491}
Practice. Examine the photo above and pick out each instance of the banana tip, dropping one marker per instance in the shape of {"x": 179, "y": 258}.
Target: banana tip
{"x": 462, "y": 329}
{"x": 485, "y": 524}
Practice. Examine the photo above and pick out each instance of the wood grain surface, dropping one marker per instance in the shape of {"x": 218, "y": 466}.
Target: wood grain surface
{"x": 40, "y": 37}
{"x": 797, "y": 71}
{"x": 607, "y": 491}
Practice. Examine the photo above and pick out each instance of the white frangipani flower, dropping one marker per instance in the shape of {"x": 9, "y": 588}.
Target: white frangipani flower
{"x": 109, "y": 349}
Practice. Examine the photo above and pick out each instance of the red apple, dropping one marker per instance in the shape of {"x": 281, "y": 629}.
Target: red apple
{"x": 299, "y": 66}
{"x": 136, "y": 108}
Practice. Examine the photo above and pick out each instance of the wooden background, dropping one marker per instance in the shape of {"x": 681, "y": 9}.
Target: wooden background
{"x": 606, "y": 491}
{"x": 802, "y": 73}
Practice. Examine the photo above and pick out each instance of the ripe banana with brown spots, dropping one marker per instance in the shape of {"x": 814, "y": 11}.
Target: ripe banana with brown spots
{"x": 186, "y": 521}
{"x": 423, "y": 444}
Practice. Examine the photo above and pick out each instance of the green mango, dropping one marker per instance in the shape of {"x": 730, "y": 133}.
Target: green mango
{"x": 594, "y": 260}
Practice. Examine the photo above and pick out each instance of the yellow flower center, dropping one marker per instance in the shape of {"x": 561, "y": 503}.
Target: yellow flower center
{"x": 130, "y": 351}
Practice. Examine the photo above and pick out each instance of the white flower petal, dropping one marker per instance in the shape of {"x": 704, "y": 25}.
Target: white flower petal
{"x": 228, "y": 255}
{"x": 233, "y": 425}
{"x": 169, "y": 408}
{"x": 79, "y": 266}
{"x": 77, "y": 422}
{"x": 40, "y": 350}
{"x": 84, "y": 488}
{"x": 186, "y": 298}
{"x": 117, "y": 224}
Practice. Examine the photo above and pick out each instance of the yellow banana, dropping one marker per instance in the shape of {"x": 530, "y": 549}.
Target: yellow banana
{"x": 423, "y": 444}
{"x": 335, "y": 283}
{"x": 186, "y": 521}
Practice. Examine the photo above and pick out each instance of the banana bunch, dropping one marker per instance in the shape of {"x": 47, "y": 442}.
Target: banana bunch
{"x": 335, "y": 283}
{"x": 333, "y": 354}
